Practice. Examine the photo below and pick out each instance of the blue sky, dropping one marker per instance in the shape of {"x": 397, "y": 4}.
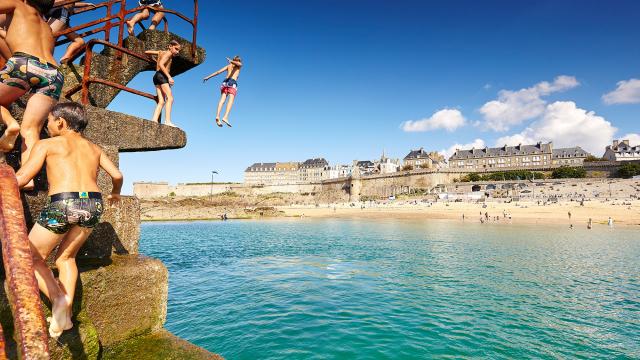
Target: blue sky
{"x": 340, "y": 79}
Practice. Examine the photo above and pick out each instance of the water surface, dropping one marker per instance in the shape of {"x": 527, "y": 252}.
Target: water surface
{"x": 371, "y": 289}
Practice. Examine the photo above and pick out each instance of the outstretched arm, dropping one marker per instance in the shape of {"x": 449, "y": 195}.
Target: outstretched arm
{"x": 116, "y": 175}
{"x": 216, "y": 73}
{"x": 34, "y": 164}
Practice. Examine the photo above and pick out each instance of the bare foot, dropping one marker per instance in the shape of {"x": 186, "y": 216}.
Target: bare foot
{"x": 218, "y": 122}
{"x": 170, "y": 124}
{"x": 59, "y": 317}
{"x": 8, "y": 140}
{"x": 130, "y": 28}
{"x": 226, "y": 122}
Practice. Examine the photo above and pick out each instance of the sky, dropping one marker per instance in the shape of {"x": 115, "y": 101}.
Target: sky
{"x": 348, "y": 80}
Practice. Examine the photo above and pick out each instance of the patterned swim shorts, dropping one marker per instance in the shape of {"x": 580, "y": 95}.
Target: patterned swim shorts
{"x": 28, "y": 73}
{"x": 65, "y": 210}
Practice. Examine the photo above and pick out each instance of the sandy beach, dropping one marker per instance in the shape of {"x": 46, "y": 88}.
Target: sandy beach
{"x": 622, "y": 212}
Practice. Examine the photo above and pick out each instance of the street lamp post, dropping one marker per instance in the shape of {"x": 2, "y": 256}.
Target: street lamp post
{"x": 211, "y": 191}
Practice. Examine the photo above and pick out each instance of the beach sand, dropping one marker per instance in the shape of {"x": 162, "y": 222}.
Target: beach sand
{"x": 521, "y": 212}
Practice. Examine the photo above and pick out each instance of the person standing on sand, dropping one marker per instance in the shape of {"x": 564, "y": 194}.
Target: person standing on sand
{"x": 163, "y": 80}
{"x": 610, "y": 222}
{"x": 569, "y": 213}
{"x": 74, "y": 206}
{"x": 590, "y": 224}
{"x": 229, "y": 87}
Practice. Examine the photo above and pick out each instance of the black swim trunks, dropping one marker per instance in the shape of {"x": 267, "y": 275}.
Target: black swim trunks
{"x": 150, "y": 3}
{"x": 61, "y": 14}
{"x": 31, "y": 74}
{"x": 65, "y": 210}
{"x": 159, "y": 78}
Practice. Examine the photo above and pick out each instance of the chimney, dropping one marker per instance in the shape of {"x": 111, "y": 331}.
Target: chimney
{"x": 626, "y": 142}
{"x": 615, "y": 144}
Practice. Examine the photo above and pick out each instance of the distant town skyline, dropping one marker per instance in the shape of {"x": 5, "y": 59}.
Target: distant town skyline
{"x": 345, "y": 80}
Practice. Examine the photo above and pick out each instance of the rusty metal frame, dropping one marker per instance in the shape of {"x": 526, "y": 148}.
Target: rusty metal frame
{"x": 87, "y": 79}
{"x": 107, "y": 20}
{"x": 120, "y": 16}
{"x": 23, "y": 292}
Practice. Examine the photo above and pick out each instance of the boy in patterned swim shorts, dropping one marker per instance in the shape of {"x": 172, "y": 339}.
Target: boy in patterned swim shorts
{"x": 74, "y": 206}
{"x": 31, "y": 67}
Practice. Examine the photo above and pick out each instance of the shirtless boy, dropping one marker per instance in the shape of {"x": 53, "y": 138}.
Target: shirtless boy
{"x": 59, "y": 19}
{"x": 74, "y": 206}
{"x": 31, "y": 67}
{"x": 229, "y": 87}
{"x": 163, "y": 80}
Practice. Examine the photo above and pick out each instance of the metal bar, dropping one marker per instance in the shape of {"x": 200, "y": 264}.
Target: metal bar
{"x": 123, "y": 88}
{"x": 3, "y": 344}
{"x": 194, "y": 47}
{"x": 87, "y": 73}
{"x": 23, "y": 292}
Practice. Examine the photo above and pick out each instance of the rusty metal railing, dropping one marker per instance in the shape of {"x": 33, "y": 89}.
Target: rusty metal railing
{"x": 87, "y": 79}
{"x": 120, "y": 17}
{"x": 23, "y": 293}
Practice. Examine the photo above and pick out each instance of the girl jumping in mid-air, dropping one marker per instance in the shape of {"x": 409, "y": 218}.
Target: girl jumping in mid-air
{"x": 229, "y": 87}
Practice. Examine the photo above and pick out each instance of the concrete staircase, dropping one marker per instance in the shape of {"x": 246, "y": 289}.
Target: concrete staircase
{"x": 121, "y": 300}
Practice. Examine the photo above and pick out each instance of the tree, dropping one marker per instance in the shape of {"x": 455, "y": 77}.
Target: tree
{"x": 629, "y": 170}
{"x": 566, "y": 172}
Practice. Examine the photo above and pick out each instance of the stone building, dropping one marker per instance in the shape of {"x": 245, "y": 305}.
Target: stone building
{"x": 516, "y": 157}
{"x": 282, "y": 173}
{"x": 421, "y": 159}
{"x": 622, "y": 151}
{"x": 503, "y": 158}
{"x": 260, "y": 174}
{"x": 574, "y": 156}
{"x": 314, "y": 170}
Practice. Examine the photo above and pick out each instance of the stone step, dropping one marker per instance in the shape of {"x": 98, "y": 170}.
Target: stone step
{"x": 124, "y": 132}
{"x": 105, "y": 66}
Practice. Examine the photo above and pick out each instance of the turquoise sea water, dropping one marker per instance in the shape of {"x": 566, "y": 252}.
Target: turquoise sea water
{"x": 370, "y": 289}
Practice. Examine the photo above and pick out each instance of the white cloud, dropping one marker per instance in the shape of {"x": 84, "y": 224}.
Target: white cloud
{"x": 513, "y": 107}
{"x": 634, "y": 139}
{"x": 477, "y": 143}
{"x": 627, "y": 92}
{"x": 566, "y": 125}
{"x": 448, "y": 119}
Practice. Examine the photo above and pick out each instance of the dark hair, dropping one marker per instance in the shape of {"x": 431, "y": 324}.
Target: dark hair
{"x": 237, "y": 58}
{"x": 174, "y": 43}
{"x": 73, "y": 114}
{"x": 43, "y": 6}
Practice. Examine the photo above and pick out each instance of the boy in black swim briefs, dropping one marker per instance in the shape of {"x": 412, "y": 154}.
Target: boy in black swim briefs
{"x": 31, "y": 67}
{"x": 163, "y": 81}
{"x": 74, "y": 206}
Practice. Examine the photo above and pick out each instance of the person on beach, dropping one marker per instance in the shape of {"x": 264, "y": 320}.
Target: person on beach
{"x": 59, "y": 19}
{"x": 590, "y": 224}
{"x": 144, "y": 14}
{"x": 30, "y": 69}
{"x": 73, "y": 208}
{"x": 229, "y": 87}
{"x": 163, "y": 80}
